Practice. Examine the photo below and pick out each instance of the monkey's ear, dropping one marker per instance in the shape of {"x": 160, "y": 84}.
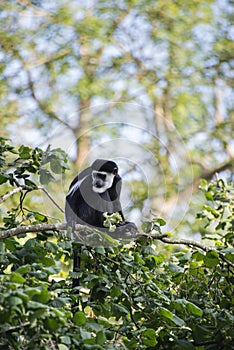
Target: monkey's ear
{"x": 115, "y": 171}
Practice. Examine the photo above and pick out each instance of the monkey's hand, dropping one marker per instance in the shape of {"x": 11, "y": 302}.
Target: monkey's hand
{"x": 127, "y": 226}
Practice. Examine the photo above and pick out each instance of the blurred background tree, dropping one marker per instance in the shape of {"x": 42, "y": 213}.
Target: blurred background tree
{"x": 146, "y": 83}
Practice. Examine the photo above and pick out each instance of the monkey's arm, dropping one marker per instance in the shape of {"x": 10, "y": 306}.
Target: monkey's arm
{"x": 114, "y": 193}
{"x": 123, "y": 226}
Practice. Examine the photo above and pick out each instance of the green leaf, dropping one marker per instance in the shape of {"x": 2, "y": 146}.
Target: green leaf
{"x": 40, "y": 217}
{"x": 178, "y": 321}
{"x": 149, "y": 337}
{"x": 229, "y": 257}
{"x": 62, "y": 347}
{"x": 96, "y": 327}
{"x": 193, "y": 309}
{"x": 45, "y": 176}
{"x": 47, "y": 261}
{"x": 115, "y": 291}
{"x": 203, "y": 184}
{"x": 200, "y": 333}
{"x": 209, "y": 196}
{"x": 100, "y": 250}
{"x": 198, "y": 256}
{"x": 3, "y": 179}
{"x": 138, "y": 259}
{"x": 147, "y": 226}
{"x": 160, "y": 221}
{"x": 59, "y": 302}
{"x": 36, "y": 315}
{"x": 55, "y": 166}
{"x": 179, "y": 304}
{"x": 85, "y": 334}
{"x": 119, "y": 311}
{"x": 17, "y": 278}
{"x": 211, "y": 259}
{"x": 14, "y": 301}
{"x": 165, "y": 313}
{"x": 30, "y": 183}
{"x": 79, "y": 318}
{"x": 24, "y": 269}
{"x": 24, "y": 152}
{"x": 169, "y": 315}
{"x": 51, "y": 324}
{"x": 35, "y": 305}
{"x": 175, "y": 268}
{"x": 100, "y": 338}
{"x": 227, "y": 250}
{"x": 42, "y": 297}
{"x": 65, "y": 340}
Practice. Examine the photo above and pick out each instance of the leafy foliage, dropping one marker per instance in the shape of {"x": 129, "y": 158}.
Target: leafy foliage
{"x": 140, "y": 295}
{"x": 24, "y": 170}
{"x": 111, "y": 221}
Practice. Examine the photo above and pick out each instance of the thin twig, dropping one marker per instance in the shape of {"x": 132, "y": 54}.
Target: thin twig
{"x": 21, "y": 188}
{"x": 13, "y": 328}
{"x": 11, "y": 193}
{"x": 193, "y": 244}
{"x": 46, "y": 59}
{"x": 51, "y": 198}
{"x": 189, "y": 243}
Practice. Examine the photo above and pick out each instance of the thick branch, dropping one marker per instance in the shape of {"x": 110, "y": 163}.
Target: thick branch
{"x": 121, "y": 235}
{"x": 190, "y": 188}
{"x": 31, "y": 228}
{"x": 221, "y": 167}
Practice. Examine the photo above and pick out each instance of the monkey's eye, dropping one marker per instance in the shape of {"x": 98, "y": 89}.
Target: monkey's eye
{"x": 101, "y": 176}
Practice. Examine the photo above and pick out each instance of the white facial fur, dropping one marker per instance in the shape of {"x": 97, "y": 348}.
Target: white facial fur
{"x": 107, "y": 182}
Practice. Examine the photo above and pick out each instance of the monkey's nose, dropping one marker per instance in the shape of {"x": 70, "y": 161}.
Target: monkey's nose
{"x": 98, "y": 184}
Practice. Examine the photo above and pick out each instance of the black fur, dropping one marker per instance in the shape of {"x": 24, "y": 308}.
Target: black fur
{"x": 86, "y": 207}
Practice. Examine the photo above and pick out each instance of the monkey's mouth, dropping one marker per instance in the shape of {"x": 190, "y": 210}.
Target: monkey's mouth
{"x": 99, "y": 189}
{"x": 97, "y": 185}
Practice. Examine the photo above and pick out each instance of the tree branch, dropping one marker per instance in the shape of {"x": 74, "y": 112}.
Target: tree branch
{"x": 31, "y": 228}
{"x": 21, "y": 188}
{"x": 47, "y": 59}
{"x": 191, "y": 243}
{"x": 190, "y": 188}
{"x": 119, "y": 235}
{"x": 13, "y": 328}
{"x": 11, "y": 193}
{"x": 51, "y": 198}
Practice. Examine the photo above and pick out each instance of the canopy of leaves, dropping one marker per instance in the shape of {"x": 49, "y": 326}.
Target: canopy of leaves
{"x": 141, "y": 295}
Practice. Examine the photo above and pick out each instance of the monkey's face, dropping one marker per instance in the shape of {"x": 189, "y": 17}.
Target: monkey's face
{"x": 102, "y": 181}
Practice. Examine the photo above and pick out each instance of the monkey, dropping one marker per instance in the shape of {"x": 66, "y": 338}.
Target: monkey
{"x": 96, "y": 190}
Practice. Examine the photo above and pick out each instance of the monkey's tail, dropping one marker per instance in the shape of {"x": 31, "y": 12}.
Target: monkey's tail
{"x": 76, "y": 266}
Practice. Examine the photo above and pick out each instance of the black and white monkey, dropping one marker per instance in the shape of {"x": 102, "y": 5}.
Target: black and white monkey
{"x": 94, "y": 191}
